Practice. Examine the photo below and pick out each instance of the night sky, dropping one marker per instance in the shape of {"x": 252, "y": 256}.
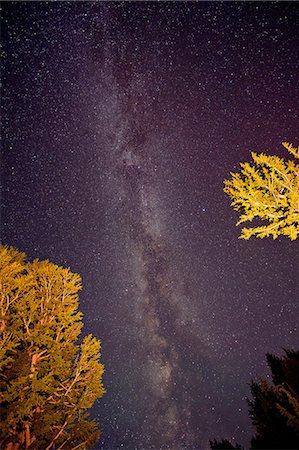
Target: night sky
{"x": 120, "y": 122}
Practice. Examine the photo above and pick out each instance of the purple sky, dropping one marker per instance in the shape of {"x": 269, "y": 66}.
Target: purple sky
{"x": 120, "y": 122}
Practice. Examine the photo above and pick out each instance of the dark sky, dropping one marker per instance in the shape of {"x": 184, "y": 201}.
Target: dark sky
{"x": 120, "y": 122}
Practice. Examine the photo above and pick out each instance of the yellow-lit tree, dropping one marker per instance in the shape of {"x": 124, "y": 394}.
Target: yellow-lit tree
{"x": 267, "y": 190}
{"x": 47, "y": 381}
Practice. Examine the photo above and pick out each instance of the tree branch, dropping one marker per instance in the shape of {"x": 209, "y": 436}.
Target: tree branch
{"x": 57, "y": 435}
{"x": 79, "y": 445}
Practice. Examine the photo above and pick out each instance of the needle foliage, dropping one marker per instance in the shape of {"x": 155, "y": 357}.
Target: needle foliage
{"x": 47, "y": 380}
{"x": 274, "y": 407}
{"x": 267, "y": 190}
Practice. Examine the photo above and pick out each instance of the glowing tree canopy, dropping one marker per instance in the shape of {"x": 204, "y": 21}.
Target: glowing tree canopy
{"x": 47, "y": 381}
{"x": 267, "y": 190}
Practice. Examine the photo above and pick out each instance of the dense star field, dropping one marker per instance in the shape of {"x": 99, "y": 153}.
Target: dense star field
{"x": 120, "y": 122}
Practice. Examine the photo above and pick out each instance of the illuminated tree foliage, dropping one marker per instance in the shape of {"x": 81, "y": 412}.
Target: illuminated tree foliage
{"x": 267, "y": 190}
{"x": 47, "y": 381}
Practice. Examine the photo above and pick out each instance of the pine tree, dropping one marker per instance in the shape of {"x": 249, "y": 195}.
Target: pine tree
{"x": 274, "y": 408}
{"x": 269, "y": 191}
{"x": 224, "y": 445}
{"x": 47, "y": 380}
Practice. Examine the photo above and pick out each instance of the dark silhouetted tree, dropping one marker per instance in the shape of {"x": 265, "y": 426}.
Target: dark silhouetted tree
{"x": 224, "y": 445}
{"x": 274, "y": 408}
{"x": 47, "y": 381}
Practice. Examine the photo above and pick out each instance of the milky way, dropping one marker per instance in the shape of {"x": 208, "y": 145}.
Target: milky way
{"x": 120, "y": 122}
{"x": 159, "y": 307}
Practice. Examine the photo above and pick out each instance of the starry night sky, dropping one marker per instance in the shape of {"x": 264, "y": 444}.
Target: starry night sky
{"x": 120, "y": 122}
